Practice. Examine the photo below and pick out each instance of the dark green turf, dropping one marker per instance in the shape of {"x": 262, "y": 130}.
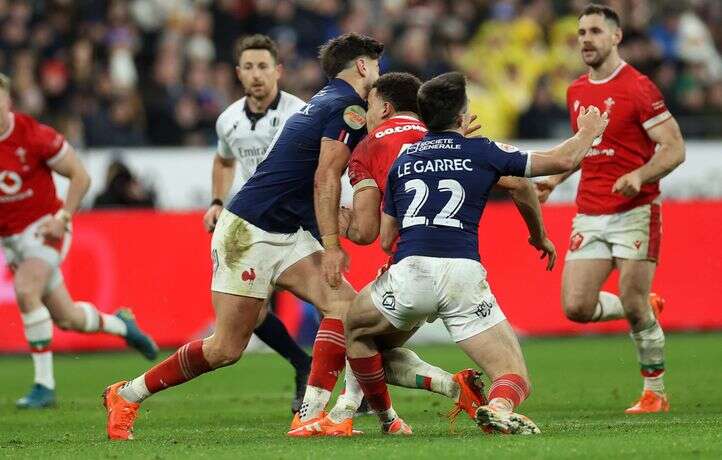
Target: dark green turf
{"x": 581, "y": 387}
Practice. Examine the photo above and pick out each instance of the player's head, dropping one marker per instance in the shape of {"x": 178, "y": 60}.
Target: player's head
{"x": 257, "y": 65}
{"x": 353, "y": 56}
{"x": 4, "y": 96}
{"x": 600, "y": 33}
{"x": 392, "y": 93}
{"x": 442, "y": 101}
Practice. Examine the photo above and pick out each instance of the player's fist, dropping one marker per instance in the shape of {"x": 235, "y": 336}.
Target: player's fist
{"x": 211, "y": 217}
{"x": 334, "y": 261}
{"x": 547, "y": 249}
{"x": 344, "y": 220}
{"x": 628, "y": 185}
{"x": 592, "y": 121}
{"x": 52, "y": 229}
{"x": 543, "y": 189}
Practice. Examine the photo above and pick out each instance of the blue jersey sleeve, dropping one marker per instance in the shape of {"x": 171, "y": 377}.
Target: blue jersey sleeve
{"x": 346, "y": 124}
{"x": 389, "y": 205}
{"x": 506, "y": 159}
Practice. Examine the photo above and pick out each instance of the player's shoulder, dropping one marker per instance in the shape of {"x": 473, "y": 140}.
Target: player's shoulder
{"x": 399, "y": 127}
{"x": 232, "y": 113}
{"x": 636, "y": 80}
{"x": 290, "y": 102}
{"x": 23, "y": 120}
{"x": 579, "y": 83}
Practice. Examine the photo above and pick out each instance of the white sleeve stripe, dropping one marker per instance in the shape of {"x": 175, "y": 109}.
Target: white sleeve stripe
{"x": 527, "y": 169}
{"x": 366, "y": 183}
{"x": 58, "y": 156}
{"x": 654, "y": 121}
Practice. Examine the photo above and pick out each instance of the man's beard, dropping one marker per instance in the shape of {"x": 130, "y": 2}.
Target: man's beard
{"x": 258, "y": 95}
{"x": 600, "y": 59}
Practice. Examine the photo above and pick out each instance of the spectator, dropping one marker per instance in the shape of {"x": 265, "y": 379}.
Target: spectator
{"x": 123, "y": 190}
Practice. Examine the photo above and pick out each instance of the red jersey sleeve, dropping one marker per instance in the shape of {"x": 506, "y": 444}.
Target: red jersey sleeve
{"x": 360, "y": 167}
{"x": 571, "y": 111}
{"x": 651, "y": 107}
{"x": 49, "y": 144}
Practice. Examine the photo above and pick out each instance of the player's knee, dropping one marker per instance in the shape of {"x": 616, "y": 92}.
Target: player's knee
{"x": 220, "y": 354}
{"x": 26, "y": 295}
{"x": 579, "y": 309}
{"x": 636, "y": 308}
{"x": 64, "y": 323}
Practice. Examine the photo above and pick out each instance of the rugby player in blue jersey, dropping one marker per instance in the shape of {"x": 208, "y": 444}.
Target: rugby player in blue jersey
{"x": 271, "y": 235}
{"x": 435, "y": 196}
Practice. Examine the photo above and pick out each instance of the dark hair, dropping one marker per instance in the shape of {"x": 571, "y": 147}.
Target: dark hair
{"x": 337, "y": 53}
{"x": 602, "y": 10}
{"x": 256, "y": 42}
{"x": 399, "y": 89}
{"x": 441, "y": 100}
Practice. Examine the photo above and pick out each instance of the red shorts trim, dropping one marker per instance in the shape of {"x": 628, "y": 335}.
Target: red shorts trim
{"x": 655, "y": 231}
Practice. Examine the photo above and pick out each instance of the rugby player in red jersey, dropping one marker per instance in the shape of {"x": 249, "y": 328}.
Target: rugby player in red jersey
{"x": 35, "y": 233}
{"x": 618, "y": 224}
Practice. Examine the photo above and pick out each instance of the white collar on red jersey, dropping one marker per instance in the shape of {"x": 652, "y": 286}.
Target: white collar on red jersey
{"x": 404, "y": 117}
{"x": 609, "y": 78}
{"x": 11, "y": 127}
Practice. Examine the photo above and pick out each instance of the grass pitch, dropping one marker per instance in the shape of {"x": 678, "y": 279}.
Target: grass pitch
{"x": 581, "y": 387}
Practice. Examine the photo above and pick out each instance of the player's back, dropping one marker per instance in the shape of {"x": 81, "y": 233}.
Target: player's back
{"x": 373, "y": 156}
{"x": 438, "y": 190}
{"x": 279, "y": 196}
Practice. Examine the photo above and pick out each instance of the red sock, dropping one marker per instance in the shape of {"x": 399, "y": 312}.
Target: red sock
{"x": 371, "y": 377}
{"x": 509, "y": 386}
{"x": 185, "y": 364}
{"x": 329, "y": 354}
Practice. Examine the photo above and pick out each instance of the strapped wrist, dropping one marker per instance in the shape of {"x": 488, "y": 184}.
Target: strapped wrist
{"x": 330, "y": 241}
{"x": 217, "y": 202}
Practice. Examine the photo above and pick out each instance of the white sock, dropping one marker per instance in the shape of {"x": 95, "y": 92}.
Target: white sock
{"x": 96, "y": 321}
{"x": 388, "y": 416}
{"x": 135, "y": 390}
{"x": 404, "y": 368}
{"x": 38, "y": 328}
{"x": 314, "y": 401}
{"x": 502, "y": 404}
{"x": 348, "y": 403}
{"x": 609, "y": 307}
{"x": 655, "y": 384}
{"x": 650, "y": 352}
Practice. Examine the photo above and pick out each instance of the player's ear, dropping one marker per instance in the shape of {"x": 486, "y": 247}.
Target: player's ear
{"x": 361, "y": 66}
{"x": 279, "y": 70}
{"x": 388, "y": 110}
{"x": 617, "y": 36}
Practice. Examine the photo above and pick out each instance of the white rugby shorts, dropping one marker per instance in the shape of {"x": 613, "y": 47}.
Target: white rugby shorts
{"x": 419, "y": 289}
{"x": 30, "y": 244}
{"x": 633, "y": 234}
{"x": 247, "y": 260}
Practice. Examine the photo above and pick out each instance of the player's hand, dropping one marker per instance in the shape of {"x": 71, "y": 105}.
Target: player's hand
{"x": 52, "y": 229}
{"x": 211, "y": 217}
{"x": 344, "y": 220}
{"x": 334, "y": 261}
{"x": 592, "y": 121}
{"x": 628, "y": 185}
{"x": 547, "y": 249}
{"x": 543, "y": 189}
{"x": 468, "y": 125}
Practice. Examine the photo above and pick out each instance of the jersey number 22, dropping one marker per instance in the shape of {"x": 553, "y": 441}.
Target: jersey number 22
{"x": 445, "y": 217}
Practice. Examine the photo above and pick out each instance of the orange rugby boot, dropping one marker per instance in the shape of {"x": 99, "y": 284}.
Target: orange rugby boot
{"x": 396, "y": 428}
{"x": 471, "y": 395}
{"x": 325, "y": 427}
{"x": 649, "y": 403}
{"x": 121, "y": 413}
{"x": 657, "y": 304}
{"x": 297, "y": 423}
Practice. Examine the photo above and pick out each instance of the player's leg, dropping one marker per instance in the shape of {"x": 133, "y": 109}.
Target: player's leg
{"x": 30, "y": 279}
{"x": 273, "y": 333}
{"x": 588, "y": 264}
{"x": 364, "y": 324}
{"x": 305, "y": 280}
{"x": 85, "y": 317}
{"x": 635, "y": 282}
{"x": 235, "y": 320}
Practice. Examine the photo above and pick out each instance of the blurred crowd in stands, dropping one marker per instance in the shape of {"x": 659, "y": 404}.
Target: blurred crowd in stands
{"x": 158, "y": 72}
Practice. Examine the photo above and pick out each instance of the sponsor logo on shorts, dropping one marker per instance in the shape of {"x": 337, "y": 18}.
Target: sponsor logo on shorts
{"x": 248, "y": 275}
{"x": 637, "y": 244}
{"x": 389, "y": 301}
{"x": 484, "y": 309}
{"x": 214, "y": 256}
{"x": 576, "y": 241}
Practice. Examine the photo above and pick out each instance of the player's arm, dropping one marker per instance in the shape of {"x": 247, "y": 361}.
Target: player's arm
{"x": 363, "y": 227}
{"x": 545, "y": 187}
{"x": 70, "y": 166}
{"x": 332, "y": 162}
{"x": 569, "y": 154}
{"x": 389, "y": 232}
{"x": 524, "y": 196}
{"x": 223, "y": 173}
{"x": 670, "y": 153}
